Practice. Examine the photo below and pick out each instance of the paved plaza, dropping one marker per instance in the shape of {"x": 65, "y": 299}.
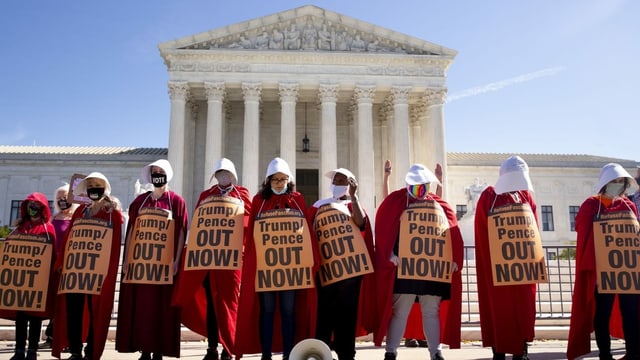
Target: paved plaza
{"x": 194, "y": 350}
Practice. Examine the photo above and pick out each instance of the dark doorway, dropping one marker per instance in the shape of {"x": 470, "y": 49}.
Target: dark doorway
{"x": 307, "y": 184}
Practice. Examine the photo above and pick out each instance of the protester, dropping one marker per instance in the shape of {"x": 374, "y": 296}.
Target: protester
{"x": 403, "y": 214}
{"x": 83, "y": 308}
{"x": 209, "y": 298}
{"x": 277, "y": 216}
{"x": 146, "y": 320}
{"x": 340, "y": 303}
{"x": 32, "y": 229}
{"x": 593, "y": 301}
{"x": 507, "y": 311}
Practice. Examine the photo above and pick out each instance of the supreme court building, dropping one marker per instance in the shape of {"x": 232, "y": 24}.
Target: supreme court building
{"x": 253, "y": 91}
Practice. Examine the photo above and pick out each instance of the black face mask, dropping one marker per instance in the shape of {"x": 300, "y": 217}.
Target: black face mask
{"x": 158, "y": 180}
{"x": 63, "y": 204}
{"x": 95, "y": 193}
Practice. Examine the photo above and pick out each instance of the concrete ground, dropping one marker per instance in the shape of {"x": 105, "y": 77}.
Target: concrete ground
{"x": 195, "y": 350}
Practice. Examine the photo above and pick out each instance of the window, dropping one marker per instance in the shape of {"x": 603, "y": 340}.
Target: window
{"x": 460, "y": 211}
{"x": 547, "y": 218}
{"x": 15, "y": 211}
{"x": 573, "y": 211}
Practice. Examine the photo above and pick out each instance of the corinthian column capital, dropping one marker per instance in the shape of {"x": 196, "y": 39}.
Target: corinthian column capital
{"x": 288, "y": 92}
{"x": 400, "y": 94}
{"x": 364, "y": 93}
{"x": 214, "y": 90}
{"x": 252, "y": 91}
{"x": 436, "y": 96}
{"x": 178, "y": 90}
{"x": 328, "y": 92}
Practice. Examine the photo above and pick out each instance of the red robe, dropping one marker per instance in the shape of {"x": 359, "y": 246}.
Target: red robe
{"x": 43, "y": 227}
{"x": 146, "y": 320}
{"x": 101, "y": 305}
{"x": 507, "y": 313}
{"x": 247, "y": 331}
{"x": 386, "y": 231}
{"x": 225, "y": 286}
{"x": 366, "y": 305}
{"x": 583, "y": 305}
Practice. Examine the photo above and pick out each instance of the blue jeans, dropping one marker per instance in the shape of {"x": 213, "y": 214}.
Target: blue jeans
{"x": 268, "y": 301}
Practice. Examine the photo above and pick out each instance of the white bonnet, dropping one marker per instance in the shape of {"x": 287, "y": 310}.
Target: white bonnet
{"x": 163, "y": 164}
{"x": 514, "y": 176}
{"x": 81, "y": 188}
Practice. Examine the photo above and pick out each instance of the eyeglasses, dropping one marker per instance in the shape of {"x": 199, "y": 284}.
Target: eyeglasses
{"x": 278, "y": 181}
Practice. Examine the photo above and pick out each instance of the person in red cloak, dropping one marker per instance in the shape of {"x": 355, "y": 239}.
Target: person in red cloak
{"x": 261, "y": 314}
{"x": 413, "y": 333}
{"x": 507, "y": 313}
{"x": 441, "y": 303}
{"x": 590, "y": 309}
{"x": 81, "y": 316}
{"x": 208, "y": 299}
{"x": 340, "y": 303}
{"x": 35, "y": 219}
{"x": 147, "y": 321}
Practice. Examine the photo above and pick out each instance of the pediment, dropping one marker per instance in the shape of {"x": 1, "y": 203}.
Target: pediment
{"x": 308, "y": 28}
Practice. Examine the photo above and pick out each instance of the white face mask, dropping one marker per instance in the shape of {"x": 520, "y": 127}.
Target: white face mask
{"x": 284, "y": 190}
{"x": 224, "y": 178}
{"x": 613, "y": 189}
{"x": 339, "y": 191}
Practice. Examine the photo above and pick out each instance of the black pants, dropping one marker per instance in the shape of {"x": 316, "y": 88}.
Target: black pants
{"x": 34, "y": 325}
{"x": 75, "y": 310}
{"x": 287, "y": 301}
{"x": 630, "y": 312}
{"x": 338, "y": 314}
{"x": 213, "y": 336}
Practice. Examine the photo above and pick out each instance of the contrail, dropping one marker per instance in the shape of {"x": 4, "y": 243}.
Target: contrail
{"x": 495, "y": 86}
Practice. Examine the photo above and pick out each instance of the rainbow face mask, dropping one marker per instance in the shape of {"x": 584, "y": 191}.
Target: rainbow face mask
{"x": 419, "y": 191}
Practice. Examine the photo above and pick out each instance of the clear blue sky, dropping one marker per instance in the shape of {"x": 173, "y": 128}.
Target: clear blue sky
{"x": 546, "y": 76}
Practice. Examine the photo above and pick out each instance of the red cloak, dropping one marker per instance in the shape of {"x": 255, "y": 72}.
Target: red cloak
{"x": 146, "y": 320}
{"x": 190, "y": 295}
{"x": 101, "y": 305}
{"x": 247, "y": 331}
{"x": 386, "y": 231}
{"x": 43, "y": 227}
{"x": 507, "y": 313}
{"x": 366, "y": 303}
{"x": 583, "y": 305}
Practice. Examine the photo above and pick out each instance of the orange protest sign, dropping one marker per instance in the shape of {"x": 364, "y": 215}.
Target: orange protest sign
{"x": 86, "y": 257}
{"x": 343, "y": 253}
{"x": 25, "y": 263}
{"x": 424, "y": 248}
{"x": 216, "y": 235}
{"x": 283, "y": 251}
{"x": 150, "y": 252}
{"x": 516, "y": 247}
{"x": 617, "y": 245}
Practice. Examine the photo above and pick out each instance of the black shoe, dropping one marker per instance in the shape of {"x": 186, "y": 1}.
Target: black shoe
{"x": 45, "y": 344}
{"x": 225, "y": 355}
{"x": 389, "y": 356}
{"x": 157, "y": 356}
{"x": 32, "y": 355}
{"x": 19, "y": 355}
{"x": 411, "y": 343}
{"x": 497, "y": 355}
{"x": 212, "y": 354}
{"x": 75, "y": 357}
{"x": 423, "y": 343}
{"x": 438, "y": 356}
{"x": 145, "y": 356}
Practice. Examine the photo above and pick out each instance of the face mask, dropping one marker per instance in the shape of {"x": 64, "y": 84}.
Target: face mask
{"x": 339, "y": 191}
{"x": 33, "y": 210}
{"x": 63, "y": 204}
{"x": 224, "y": 178}
{"x": 158, "y": 180}
{"x": 613, "y": 189}
{"x": 284, "y": 190}
{"x": 95, "y": 193}
{"x": 419, "y": 191}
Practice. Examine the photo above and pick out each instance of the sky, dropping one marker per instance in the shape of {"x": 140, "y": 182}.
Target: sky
{"x": 543, "y": 77}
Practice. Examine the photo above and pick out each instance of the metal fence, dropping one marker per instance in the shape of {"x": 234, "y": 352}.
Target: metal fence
{"x": 553, "y": 297}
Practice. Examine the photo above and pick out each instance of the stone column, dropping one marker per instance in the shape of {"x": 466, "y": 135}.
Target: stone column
{"x": 215, "y": 117}
{"x": 288, "y": 95}
{"x": 364, "y": 130}
{"x": 436, "y": 98}
{"x": 178, "y": 92}
{"x": 251, "y": 138}
{"x": 400, "y": 95}
{"x": 328, "y": 95}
